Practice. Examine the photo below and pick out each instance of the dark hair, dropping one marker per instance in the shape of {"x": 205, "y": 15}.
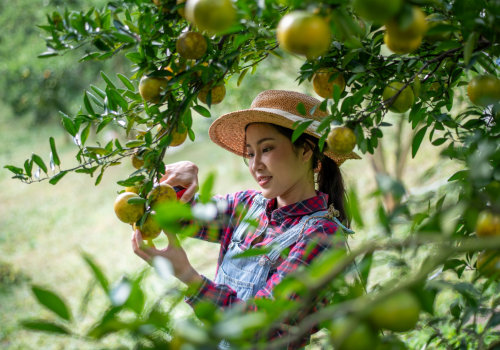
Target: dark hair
{"x": 329, "y": 177}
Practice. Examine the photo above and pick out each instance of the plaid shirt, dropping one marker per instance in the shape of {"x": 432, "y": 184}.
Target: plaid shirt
{"x": 277, "y": 221}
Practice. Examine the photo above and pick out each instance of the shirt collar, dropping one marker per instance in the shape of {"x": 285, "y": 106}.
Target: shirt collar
{"x": 305, "y": 207}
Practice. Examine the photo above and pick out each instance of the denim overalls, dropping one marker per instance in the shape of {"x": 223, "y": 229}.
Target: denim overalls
{"x": 248, "y": 275}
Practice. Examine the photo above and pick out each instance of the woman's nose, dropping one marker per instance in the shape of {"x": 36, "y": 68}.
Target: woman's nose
{"x": 256, "y": 163}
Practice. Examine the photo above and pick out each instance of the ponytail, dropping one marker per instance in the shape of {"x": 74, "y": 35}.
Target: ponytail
{"x": 329, "y": 178}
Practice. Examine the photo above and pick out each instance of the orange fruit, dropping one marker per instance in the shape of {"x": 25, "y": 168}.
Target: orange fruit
{"x": 150, "y": 229}
{"x": 377, "y": 11}
{"x": 213, "y": 16}
{"x": 323, "y": 85}
{"x": 178, "y": 137}
{"x": 488, "y": 224}
{"x": 181, "y": 10}
{"x": 484, "y": 90}
{"x": 191, "y": 45}
{"x": 399, "y": 312}
{"x": 488, "y": 263}
{"x": 151, "y": 88}
{"x": 128, "y": 212}
{"x": 416, "y": 28}
{"x": 341, "y": 140}
{"x": 405, "y": 99}
{"x": 133, "y": 189}
{"x": 402, "y": 45}
{"x": 304, "y": 33}
{"x": 361, "y": 337}
{"x": 218, "y": 92}
{"x": 161, "y": 193}
{"x": 137, "y": 161}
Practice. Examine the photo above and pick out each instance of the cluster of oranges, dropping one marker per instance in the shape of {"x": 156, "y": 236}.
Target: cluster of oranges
{"x": 130, "y": 208}
{"x": 398, "y": 312}
{"x": 209, "y": 16}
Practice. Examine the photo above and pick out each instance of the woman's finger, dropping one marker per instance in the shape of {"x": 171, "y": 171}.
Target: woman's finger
{"x": 189, "y": 193}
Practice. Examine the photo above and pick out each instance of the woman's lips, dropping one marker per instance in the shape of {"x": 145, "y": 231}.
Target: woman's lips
{"x": 263, "y": 180}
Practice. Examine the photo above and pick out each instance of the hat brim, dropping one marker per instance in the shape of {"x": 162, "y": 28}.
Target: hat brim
{"x": 228, "y": 131}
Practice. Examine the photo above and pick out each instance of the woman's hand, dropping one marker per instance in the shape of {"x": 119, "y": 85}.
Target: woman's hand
{"x": 174, "y": 253}
{"x": 184, "y": 174}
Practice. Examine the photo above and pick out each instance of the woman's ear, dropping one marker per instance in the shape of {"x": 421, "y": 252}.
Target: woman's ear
{"x": 307, "y": 151}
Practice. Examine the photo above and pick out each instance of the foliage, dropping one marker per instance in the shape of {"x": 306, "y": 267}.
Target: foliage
{"x": 429, "y": 243}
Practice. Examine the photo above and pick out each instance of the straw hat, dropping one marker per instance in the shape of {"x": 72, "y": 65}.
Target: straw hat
{"x": 275, "y": 107}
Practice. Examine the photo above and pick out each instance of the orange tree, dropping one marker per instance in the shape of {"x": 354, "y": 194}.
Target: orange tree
{"x": 411, "y": 57}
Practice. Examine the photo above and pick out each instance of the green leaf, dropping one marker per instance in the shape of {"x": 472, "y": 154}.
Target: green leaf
{"x": 55, "y": 179}
{"x": 39, "y": 161}
{"x": 55, "y": 157}
{"x": 128, "y": 84}
{"x": 133, "y": 144}
{"x": 417, "y": 141}
{"x": 45, "y": 326}
{"x": 301, "y": 108}
{"x": 253, "y": 252}
{"x": 300, "y": 129}
{"x": 206, "y": 188}
{"x": 242, "y": 75}
{"x": 115, "y": 98}
{"x": 131, "y": 181}
{"x": 28, "y": 167}
{"x": 353, "y": 207}
{"x": 68, "y": 124}
{"x": 203, "y": 111}
{"x": 108, "y": 81}
{"x": 169, "y": 215}
{"x": 96, "y": 270}
{"x": 364, "y": 268}
{"x": 48, "y": 53}
{"x": 14, "y": 169}
{"x": 87, "y": 104}
{"x": 52, "y": 302}
{"x": 469, "y": 46}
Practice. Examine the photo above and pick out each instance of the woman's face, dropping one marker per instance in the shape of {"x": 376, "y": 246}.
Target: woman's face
{"x": 280, "y": 171}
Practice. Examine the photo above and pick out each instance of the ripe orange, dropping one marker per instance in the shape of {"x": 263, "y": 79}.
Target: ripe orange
{"x": 402, "y": 45}
{"x": 488, "y": 263}
{"x": 341, "y": 140}
{"x": 125, "y": 211}
{"x": 377, "y": 11}
{"x": 213, "y": 16}
{"x": 304, "y": 33}
{"x": 150, "y": 229}
{"x": 137, "y": 161}
{"x": 362, "y": 337}
{"x": 191, "y": 45}
{"x": 161, "y": 193}
{"x": 133, "y": 189}
{"x": 324, "y": 86}
{"x": 181, "y": 10}
{"x": 398, "y": 312}
{"x": 416, "y": 28}
{"x": 488, "y": 224}
{"x": 484, "y": 90}
{"x": 403, "y": 102}
{"x": 151, "y": 88}
{"x": 218, "y": 93}
{"x": 178, "y": 137}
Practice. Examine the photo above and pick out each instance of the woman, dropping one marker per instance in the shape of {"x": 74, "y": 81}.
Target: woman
{"x": 292, "y": 209}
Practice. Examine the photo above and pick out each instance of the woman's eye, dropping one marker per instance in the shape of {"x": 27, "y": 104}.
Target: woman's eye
{"x": 267, "y": 149}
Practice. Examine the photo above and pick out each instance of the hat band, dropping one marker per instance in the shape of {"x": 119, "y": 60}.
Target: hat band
{"x": 293, "y": 117}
